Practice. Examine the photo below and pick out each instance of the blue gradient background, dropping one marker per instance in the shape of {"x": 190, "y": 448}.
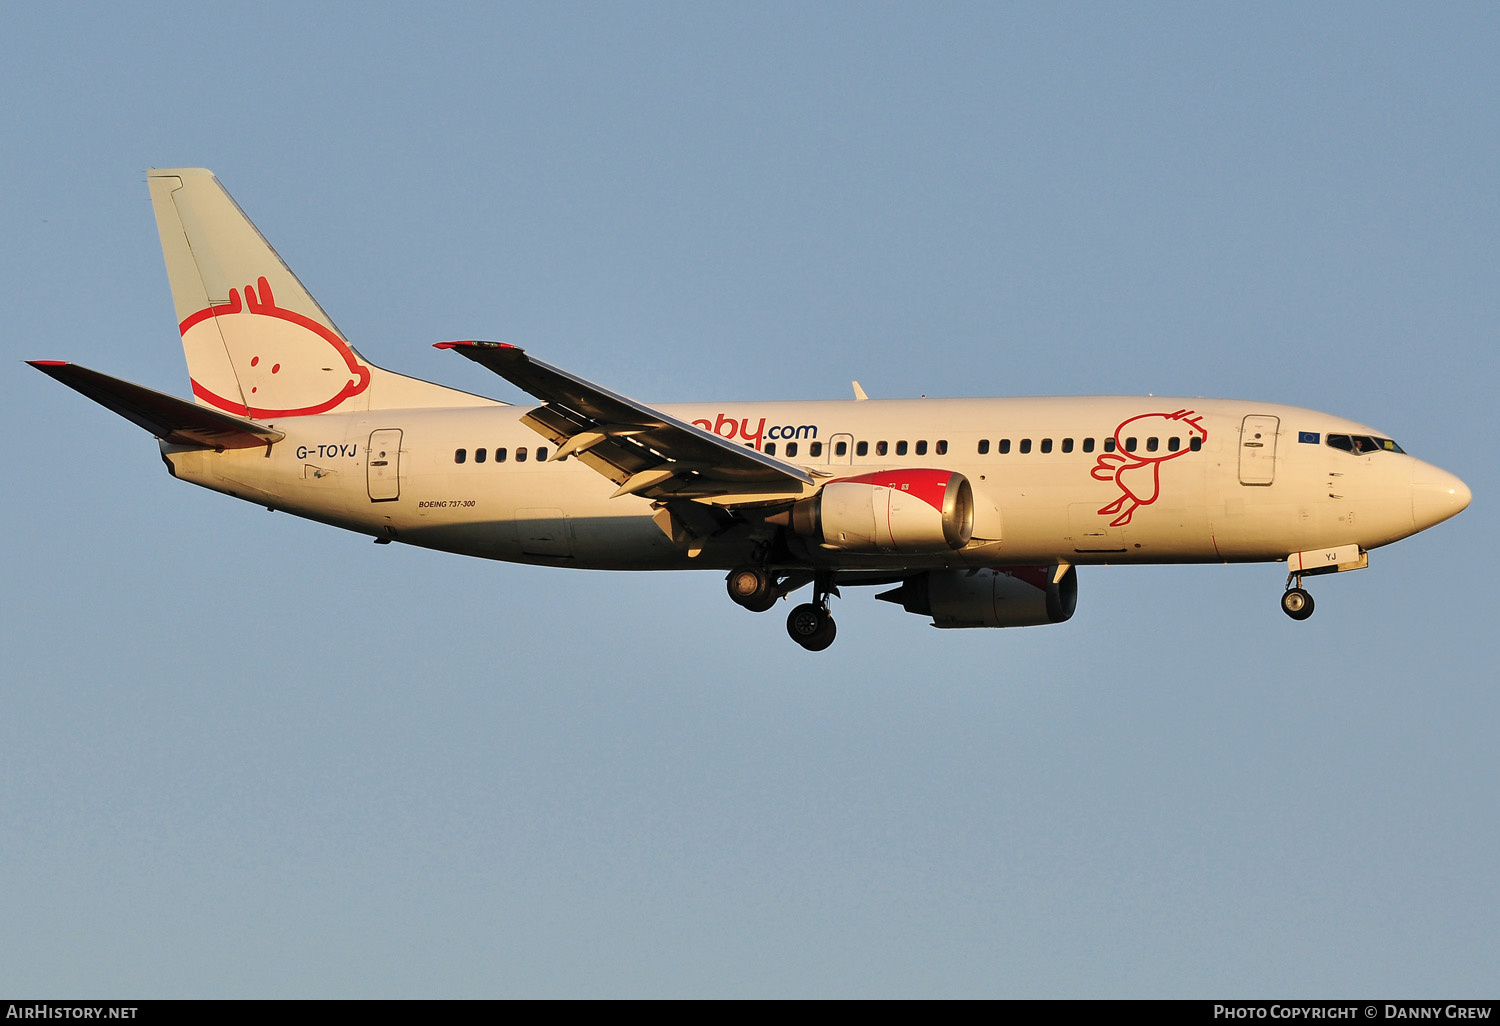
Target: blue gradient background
{"x": 246, "y": 755}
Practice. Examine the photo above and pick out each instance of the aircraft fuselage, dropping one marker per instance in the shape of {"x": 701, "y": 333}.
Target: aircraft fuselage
{"x": 1237, "y": 498}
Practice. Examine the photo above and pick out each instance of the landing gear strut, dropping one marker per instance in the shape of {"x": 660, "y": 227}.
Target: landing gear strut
{"x": 1295, "y": 602}
{"x": 810, "y": 624}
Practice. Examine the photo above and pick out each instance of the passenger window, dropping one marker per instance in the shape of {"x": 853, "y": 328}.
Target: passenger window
{"x": 1067, "y": 445}
{"x": 942, "y": 447}
{"x": 1004, "y": 446}
{"x": 1195, "y": 443}
{"x": 770, "y": 448}
{"x": 541, "y": 453}
{"x": 1130, "y": 445}
{"x": 922, "y": 448}
{"x": 1046, "y": 445}
{"x": 841, "y": 448}
{"x": 1088, "y": 445}
{"x": 1151, "y": 444}
{"x": 984, "y": 446}
{"x": 459, "y": 455}
{"x": 478, "y": 455}
{"x": 521, "y": 454}
{"x": 1173, "y": 444}
{"x": 815, "y": 449}
{"x": 1109, "y": 444}
{"x": 880, "y": 449}
{"x": 861, "y": 448}
{"x": 1025, "y": 445}
{"x": 791, "y": 449}
{"x": 499, "y": 455}
{"x": 901, "y": 448}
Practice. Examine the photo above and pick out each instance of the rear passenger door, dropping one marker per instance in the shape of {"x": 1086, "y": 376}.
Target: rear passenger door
{"x": 383, "y": 465}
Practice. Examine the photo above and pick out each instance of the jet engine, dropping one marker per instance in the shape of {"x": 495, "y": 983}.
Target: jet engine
{"x": 891, "y": 511}
{"x": 1014, "y": 596}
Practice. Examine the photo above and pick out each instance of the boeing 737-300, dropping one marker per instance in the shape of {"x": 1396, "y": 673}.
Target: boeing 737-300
{"x": 973, "y": 512}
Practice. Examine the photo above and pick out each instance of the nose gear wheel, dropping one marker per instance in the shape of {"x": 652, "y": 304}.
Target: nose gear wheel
{"x": 1295, "y": 602}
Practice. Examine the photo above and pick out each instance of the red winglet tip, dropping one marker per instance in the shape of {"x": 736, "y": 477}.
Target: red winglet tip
{"x": 48, "y": 363}
{"x": 450, "y": 345}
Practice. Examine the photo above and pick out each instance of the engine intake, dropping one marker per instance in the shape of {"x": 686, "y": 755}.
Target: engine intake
{"x": 891, "y": 511}
{"x": 1016, "y": 596}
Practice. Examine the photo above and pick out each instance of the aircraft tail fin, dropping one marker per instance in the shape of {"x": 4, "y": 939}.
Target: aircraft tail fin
{"x": 257, "y": 343}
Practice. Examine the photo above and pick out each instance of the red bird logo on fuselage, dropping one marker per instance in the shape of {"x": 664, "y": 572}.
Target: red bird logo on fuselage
{"x": 1138, "y": 474}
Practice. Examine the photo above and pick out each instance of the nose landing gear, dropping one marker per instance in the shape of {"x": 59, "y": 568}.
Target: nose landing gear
{"x": 1296, "y": 603}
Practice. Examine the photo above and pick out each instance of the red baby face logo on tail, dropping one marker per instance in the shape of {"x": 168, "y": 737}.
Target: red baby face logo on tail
{"x": 1138, "y": 474}
{"x": 283, "y": 363}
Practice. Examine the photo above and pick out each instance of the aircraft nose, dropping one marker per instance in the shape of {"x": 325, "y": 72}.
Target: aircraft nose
{"x": 1436, "y": 495}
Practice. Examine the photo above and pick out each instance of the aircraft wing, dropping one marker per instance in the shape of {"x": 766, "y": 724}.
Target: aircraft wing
{"x": 165, "y": 416}
{"x": 642, "y": 450}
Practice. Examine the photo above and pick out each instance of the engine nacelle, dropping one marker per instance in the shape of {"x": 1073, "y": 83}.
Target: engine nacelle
{"x": 1013, "y": 596}
{"x": 891, "y": 511}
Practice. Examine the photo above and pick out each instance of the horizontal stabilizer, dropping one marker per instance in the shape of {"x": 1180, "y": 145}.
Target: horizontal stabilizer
{"x": 165, "y": 416}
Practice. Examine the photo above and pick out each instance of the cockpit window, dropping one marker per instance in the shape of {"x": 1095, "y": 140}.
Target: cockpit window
{"x": 1363, "y": 444}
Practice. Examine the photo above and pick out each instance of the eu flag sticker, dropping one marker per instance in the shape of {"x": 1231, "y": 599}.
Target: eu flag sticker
{"x": 1310, "y": 437}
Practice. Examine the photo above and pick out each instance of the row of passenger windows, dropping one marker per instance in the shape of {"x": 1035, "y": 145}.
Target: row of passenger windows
{"x": 1002, "y": 446}
{"x": 1348, "y": 443}
{"x": 815, "y": 449}
{"x": 501, "y": 454}
{"x": 1153, "y": 444}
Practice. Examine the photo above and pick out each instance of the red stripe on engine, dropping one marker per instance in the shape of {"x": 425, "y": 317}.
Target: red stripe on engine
{"x": 928, "y": 485}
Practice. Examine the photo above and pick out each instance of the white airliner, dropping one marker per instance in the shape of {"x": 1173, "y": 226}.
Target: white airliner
{"x": 974, "y": 512}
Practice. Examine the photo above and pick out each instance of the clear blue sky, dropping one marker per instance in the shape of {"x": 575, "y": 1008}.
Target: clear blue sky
{"x": 242, "y": 754}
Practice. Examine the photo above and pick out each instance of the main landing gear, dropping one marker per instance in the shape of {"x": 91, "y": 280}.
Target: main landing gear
{"x": 758, "y": 589}
{"x": 810, "y": 624}
{"x": 753, "y": 587}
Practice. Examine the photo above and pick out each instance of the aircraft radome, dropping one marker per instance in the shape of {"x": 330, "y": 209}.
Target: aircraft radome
{"x": 973, "y": 512}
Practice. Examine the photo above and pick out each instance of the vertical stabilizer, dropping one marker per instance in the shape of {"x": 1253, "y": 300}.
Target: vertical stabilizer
{"x": 257, "y": 343}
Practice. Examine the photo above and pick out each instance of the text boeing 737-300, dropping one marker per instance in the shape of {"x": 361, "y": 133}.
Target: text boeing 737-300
{"x": 975, "y": 512}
